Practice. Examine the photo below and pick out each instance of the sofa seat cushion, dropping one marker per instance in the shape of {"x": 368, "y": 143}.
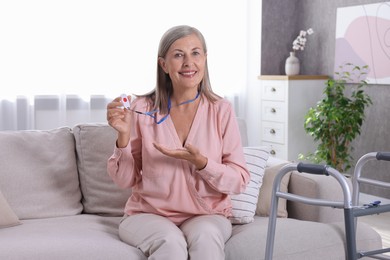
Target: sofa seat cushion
{"x": 75, "y": 237}
{"x": 96, "y": 237}
{"x": 296, "y": 239}
{"x": 38, "y": 173}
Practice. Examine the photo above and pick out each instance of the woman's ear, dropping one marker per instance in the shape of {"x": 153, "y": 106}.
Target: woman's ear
{"x": 161, "y": 62}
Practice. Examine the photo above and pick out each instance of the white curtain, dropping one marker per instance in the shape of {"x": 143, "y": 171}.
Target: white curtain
{"x": 62, "y": 61}
{"x": 51, "y": 111}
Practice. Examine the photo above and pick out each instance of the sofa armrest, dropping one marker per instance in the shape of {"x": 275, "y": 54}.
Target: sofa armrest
{"x": 318, "y": 187}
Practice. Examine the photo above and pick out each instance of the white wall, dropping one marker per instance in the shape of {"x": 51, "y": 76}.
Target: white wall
{"x": 110, "y": 46}
{"x": 88, "y": 47}
{"x": 252, "y": 95}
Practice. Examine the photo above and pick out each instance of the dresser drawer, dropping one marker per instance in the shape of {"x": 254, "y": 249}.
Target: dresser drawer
{"x": 277, "y": 150}
{"x": 273, "y": 111}
{"x": 273, "y": 132}
{"x": 284, "y": 102}
{"x": 274, "y": 90}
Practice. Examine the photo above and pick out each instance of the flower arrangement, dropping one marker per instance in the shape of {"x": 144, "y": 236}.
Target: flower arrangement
{"x": 300, "y": 42}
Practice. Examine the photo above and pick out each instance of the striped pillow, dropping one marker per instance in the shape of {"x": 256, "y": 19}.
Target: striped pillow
{"x": 244, "y": 204}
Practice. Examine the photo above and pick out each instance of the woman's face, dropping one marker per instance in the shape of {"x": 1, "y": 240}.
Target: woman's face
{"x": 185, "y": 62}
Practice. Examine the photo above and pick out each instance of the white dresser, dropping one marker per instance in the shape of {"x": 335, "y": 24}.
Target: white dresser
{"x": 284, "y": 102}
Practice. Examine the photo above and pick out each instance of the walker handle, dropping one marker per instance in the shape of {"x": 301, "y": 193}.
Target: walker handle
{"x": 384, "y": 156}
{"x": 312, "y": 168}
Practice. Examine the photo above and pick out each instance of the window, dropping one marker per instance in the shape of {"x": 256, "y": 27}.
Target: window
{"x": 62, "y": 61}
{"x": 88, "y": 47}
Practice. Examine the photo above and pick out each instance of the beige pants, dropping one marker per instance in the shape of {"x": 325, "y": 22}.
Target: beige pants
{"x": 198, "y": 238}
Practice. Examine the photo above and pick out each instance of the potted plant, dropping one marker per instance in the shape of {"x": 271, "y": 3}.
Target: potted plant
{"x": 336, "y": 119}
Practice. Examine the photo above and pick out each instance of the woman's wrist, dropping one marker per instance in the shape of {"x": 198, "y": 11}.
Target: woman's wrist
{"x": 122, "y": 141}
{"x": 201, "y": 163}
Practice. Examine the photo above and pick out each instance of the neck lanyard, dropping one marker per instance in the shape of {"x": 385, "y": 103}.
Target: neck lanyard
{"x": 153, "y": 113}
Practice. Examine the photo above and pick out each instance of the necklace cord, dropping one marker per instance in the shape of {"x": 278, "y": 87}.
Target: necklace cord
{"x": 153, "y": 112}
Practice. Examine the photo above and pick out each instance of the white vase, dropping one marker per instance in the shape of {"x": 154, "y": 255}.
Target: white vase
{"x": 292, "y": 65}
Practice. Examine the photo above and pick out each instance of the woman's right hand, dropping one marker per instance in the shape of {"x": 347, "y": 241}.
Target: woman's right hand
{"x": 119, "y": 119}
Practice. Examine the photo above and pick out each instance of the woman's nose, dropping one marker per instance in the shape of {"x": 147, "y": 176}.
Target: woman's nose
{"x": 187, "y": 60}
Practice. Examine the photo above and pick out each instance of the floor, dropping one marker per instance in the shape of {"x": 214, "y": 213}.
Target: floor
{"x": 381, "y": 222}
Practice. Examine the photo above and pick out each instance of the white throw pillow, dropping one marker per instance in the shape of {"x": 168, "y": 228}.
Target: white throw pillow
{"x": 244, "y": 204}
{"x": 7, "y": 217}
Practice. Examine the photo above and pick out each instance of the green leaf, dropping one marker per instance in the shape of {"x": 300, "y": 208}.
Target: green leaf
{"x": 336, "y": 120}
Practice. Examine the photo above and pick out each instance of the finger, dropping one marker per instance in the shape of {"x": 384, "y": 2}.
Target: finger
{"x": 158, "y": 147}
{"x": 162, "y": 149}
{"x": 175, "y": 153}
{"x": 114, "y": 104}
{"x": 114, "y": 113}
{"x": 191, "y": 149}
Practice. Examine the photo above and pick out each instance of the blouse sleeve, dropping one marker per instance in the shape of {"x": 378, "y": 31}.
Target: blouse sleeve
{"x": 120, "y": 167}
{"x": 230, "y": 176}
{"x": 125, "y": 164}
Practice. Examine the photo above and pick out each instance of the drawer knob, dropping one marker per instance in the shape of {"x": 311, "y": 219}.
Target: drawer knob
{"x": 273, "y": 89}
{"x": 272, "y": 131}
{"x": 273, "y": 110}
{"x": 272, "y": 152}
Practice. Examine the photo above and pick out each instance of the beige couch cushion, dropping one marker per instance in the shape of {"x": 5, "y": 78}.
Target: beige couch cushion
{"x": 319, "y": 187}
{"x": 296, "y": 240}
{"x": 8, "y": 217}
{"x": 94, "y": 145}
{"x": 38, "y": 173}
{"x": 80, "y": 237}
{"x": 264, "y": 202}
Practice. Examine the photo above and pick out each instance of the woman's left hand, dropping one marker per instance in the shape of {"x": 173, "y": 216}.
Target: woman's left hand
{"x": 188, "y": 152}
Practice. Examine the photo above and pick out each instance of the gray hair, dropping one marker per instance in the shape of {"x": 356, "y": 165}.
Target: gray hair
{"x": 164, "y": 88}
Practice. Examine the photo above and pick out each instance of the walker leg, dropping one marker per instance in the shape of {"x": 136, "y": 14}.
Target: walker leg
{"x": 350, "y": 232}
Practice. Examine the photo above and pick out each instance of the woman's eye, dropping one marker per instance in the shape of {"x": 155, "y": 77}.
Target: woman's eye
{"x": 178, "y": 55}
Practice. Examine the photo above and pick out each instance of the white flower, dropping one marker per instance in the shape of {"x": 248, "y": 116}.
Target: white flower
{"x": 300, "y": 42}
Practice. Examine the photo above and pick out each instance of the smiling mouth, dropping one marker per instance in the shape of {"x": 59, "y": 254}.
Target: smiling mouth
{"x": 188, "y": 74}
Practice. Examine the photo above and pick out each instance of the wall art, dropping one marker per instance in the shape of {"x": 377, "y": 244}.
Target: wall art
{"x": 363, "y": 38}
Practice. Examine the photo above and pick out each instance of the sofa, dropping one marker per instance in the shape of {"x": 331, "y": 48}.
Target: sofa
{"x": 58, "y": 202}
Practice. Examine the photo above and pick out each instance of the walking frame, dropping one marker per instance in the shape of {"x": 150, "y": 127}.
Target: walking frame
{"x": 350, "y": 202}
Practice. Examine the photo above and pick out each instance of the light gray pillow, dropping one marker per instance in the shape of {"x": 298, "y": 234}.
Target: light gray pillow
{"x": 244, "y": 204}
{"x": 8, "y": 217}
{"x": 38, "y": 173}
{"x": 94, "y": 145}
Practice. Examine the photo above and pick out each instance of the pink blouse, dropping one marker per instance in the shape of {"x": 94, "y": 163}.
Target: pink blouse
{"x": 174, "y": 188}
